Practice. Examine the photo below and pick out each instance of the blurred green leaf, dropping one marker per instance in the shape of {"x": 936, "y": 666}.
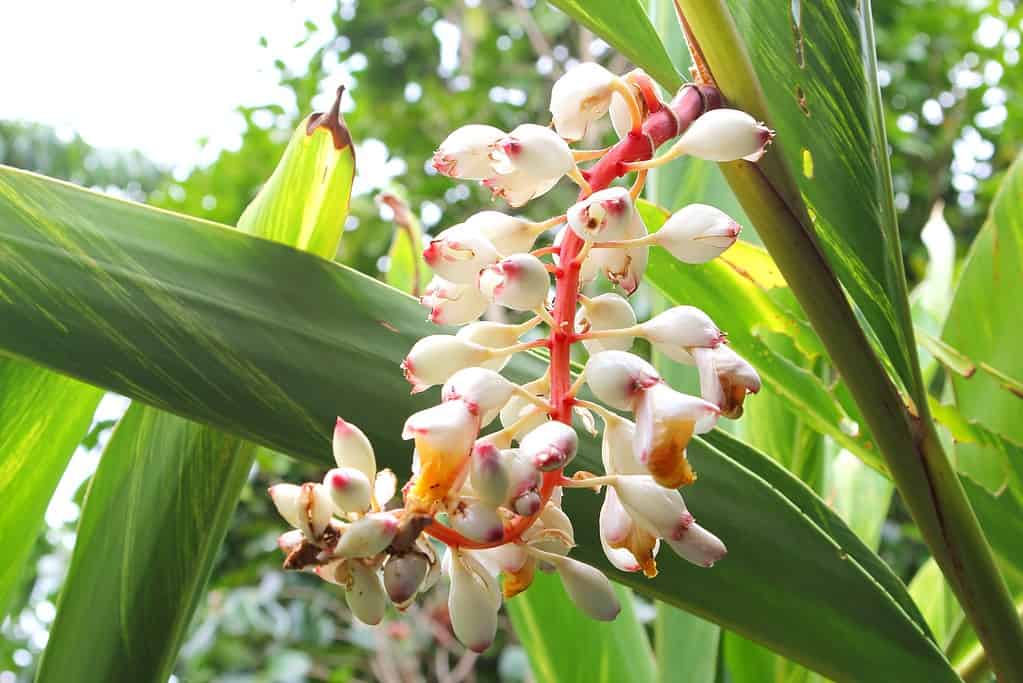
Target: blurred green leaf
{"x": 625, "y": 26}
{"x": 686, "y": 645}
{"x": 566, "y": 646}
{"x": 406, "y": 270}
{"x": 272, "y": 363}
{"x": 43, "y": 416}
{"x": 936, "y": 600}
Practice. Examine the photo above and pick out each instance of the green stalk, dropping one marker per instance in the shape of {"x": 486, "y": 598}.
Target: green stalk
{"x": 906, "y": 436}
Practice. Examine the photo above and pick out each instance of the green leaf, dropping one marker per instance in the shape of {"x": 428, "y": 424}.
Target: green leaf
{"x": 43, "y": 417}
{"x": 983, "y": 321}
{"x": 274, "y": 364}
{"x": 625, "y": 26}
{"x": 686, "y": 645}
{"x": 151, "y": 527}
{"x": 162, "y": 498}
{"x": 936, "y": 600}
{"x": 565, "y": 645}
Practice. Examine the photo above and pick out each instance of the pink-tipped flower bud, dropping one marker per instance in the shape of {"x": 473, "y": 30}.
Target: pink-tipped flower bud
{"x": 589, "y": 589}
{"x": 518, "y": 188}
{"x": 367, "y": 536}
{"x": 552, "y": 532}
{"x": 477, "y": 521}
{"x": 492, "y": 336}
{"x": 605, "y": 312}
{"x": 484, "y": 391}
{"x": 458, "y": 254}
{"x": 508, "y": 234}
{"x": 725, "y": 378}
{"x": 433, "y": 359}
{"x": 353, "y": 449}
{"x": 665, "y": 422}
{"x": 527, "y": 504}
{"x": 698, "y": 546}
{"x": 522, "y": 473}
{"x": 658, "y": 510}
{"x": 465, "y": 153}
{"x": 697, "y": 233}
{"x": 677, "y": 330}
{"x": 365, "y": 594}
{"x": 726, "y": 135}
{"x": 580, "y": 97}
{"x": 488, "y": 474}
{"x": 617, "y": 378}
{"x": 349, "y": 489}
{"x": 473, "y": 601}
{"x": 403, "y": 575}
{"x": 534, "y": 150}
{"x": 604, "y": 215}
{"x": 550, "y": 446}
{"x": 519, "y": 282}
{"x": 453, "y": 304}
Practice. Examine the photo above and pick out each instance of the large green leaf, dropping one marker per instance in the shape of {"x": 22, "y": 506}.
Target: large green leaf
{"x": 687, "y": 646}
{"x": 625, "y": 26}
{"x": 43, "y": 417}
{"x": 162, "y": 498}
{"x": 984, "y": 319}
{"x": 566, "y": 646}
{"x": 200, "y": 332}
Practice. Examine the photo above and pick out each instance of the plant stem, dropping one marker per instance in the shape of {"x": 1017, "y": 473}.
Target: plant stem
{"x": 906, "y": 439}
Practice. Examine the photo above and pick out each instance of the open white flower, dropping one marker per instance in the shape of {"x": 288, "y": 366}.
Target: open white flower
{"x": 458, "y": 254}
{"x": 665, "y": 422}
{"x": 579, "y": 97}
{"x": 604, "y": 215}
{"x": 465, "y": 153}
{"x": 725, "y": 378}
{"x": 453, "y": 304}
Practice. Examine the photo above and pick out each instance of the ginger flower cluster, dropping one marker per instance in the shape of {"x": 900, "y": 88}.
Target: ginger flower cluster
{"x": 493, "y": 496}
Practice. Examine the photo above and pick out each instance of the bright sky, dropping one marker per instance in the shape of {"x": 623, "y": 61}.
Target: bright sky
{"x": 153, "y": 76}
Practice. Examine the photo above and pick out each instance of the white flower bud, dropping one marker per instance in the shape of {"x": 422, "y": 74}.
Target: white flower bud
{"x": 473, "y": 601}
{"x": 550, "y": 446}
{"x": 368, "y": 536}
{"x": 552, "y": 532}
{"x": 605, "y": 312}
{"x": 453, "y": 304}
{"x": 349, "y": 489}
{"x": 699, "y": 546}
{"x": 385, "y": 486}
{"x": 536, "y": 151}
{"x": 581, "y": 96}
{"x": 290, "y": 540}
{"x": 488, "y": 474}
{"x": 625, "y": 266}
{"x": 433, "y": 573}
{"x": 353, "y": 449}
{"x": 665, "y": 422}
{"x": 617, "y": 449}
{"x": 477, "y": 521}
{"x": 433, "y": 359}
{"x": 677, "y": 330}
{"x": 444, "y": 436}
{"x": 725, "y": 378}
{"x": 465, "y": 153}
{"x": 519, "y": 282}
{"x": 726, "y": 135}
{"x": 365, "y": 595}
{"x": 603, "y": 216}
{"x": 697, "y": 233}
{"x": 285, "y": 499}
{"x": 508, "y": 234}
{"x": 403, "y": 575}
{"x": 657, "y": 510}
{"x": 589, "y": 589}
{"x": 459, "y": 254}
{"x": 618, "y": 378}
{"x": 492, "y": 336}
{"x": 484, "y": 391}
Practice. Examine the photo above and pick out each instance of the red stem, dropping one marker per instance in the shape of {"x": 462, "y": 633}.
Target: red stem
{"x": 659, "y": 127}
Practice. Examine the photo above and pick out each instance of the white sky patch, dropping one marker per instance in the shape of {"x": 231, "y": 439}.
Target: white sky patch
{"x": 150, "y": 76}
